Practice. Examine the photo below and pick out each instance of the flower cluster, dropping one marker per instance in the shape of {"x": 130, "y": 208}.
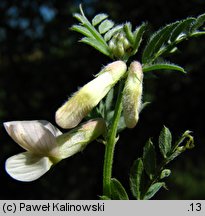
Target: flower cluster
{"x": 119, "y": 45}
{"x": 46, "y": 145}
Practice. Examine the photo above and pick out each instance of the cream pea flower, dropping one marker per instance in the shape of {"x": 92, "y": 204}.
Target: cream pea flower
{"x": 45, "y": 145}
{"x": 132, "y": 94}
{"x": 83, "y": 101}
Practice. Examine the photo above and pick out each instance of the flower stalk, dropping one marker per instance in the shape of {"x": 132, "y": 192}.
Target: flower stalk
{"x": 110, "y": 144}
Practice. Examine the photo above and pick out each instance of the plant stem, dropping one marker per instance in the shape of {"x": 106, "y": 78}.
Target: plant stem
{"x": 110, "y": 144}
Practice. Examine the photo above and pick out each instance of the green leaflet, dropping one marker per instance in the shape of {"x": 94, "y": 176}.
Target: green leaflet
{"x": 128, "y": 32}
{"x": 156, "y": 41}
{"x": 200, "y": 20}
{"x": 105, "y": 26}
{"x": 176, "y": 153}
{"x": 109, "y": 100}
{"x": 118, "y": 192}
{"x": 98, "y": 46}
{"x": 153, "y": 189}
{"x": 138, "y": 33}
{"x": 135, "y": 178}
{"x": 80, "y": 18}
{"x": 99, "y": 18}
{"x": 82, "y": 30}
{"x": 162, "y": 66}
{"x": 165, "y": 142}
{"x": 149, "y": 159}
{"x": 108, "y": 35}
{"x": 182, "y": 29}
{"x": 198, "y": 33}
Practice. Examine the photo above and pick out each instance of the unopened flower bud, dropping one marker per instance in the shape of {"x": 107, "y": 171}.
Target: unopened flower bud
{"x": 132, "y": 94}
{"x": 112, "y": 44}
{"x": 126, "y": 44}
{"x": 115, "y": 37}
{"x": 119, "y": 50}
{"x": 120, "y": 37}
{"x": 84, "y": 100}
{"x": 119, "y": 44}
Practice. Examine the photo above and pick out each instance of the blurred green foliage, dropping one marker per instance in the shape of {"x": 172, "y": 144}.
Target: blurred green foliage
{"x": 41, "y": 64}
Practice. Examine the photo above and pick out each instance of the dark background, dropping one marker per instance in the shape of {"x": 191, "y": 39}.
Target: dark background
{"x": 41, "y": 64}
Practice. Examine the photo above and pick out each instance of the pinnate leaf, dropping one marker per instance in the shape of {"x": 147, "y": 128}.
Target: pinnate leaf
{"x": 156, "y": 41}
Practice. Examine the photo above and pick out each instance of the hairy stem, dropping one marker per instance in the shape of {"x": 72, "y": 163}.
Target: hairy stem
{"x": 110, "y": 144}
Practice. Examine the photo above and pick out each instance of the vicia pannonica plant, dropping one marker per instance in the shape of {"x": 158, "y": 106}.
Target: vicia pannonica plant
{"x": 106, "y": 105}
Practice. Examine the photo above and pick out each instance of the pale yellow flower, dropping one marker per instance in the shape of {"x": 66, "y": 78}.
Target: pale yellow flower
{"x": 83, "y": 101}
{"x": 45, "y": 145}
{"x": 132, "y": 94}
